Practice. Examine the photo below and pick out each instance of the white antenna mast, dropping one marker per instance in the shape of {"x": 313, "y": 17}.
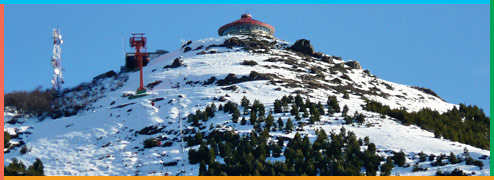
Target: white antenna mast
{"x": 56, "y": 60}
{"x": 182, "y": 142}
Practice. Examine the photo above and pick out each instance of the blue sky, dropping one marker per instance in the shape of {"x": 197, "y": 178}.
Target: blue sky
{"x": 441, "y": 47}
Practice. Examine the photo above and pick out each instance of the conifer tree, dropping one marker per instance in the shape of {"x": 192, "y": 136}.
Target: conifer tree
{"x": 243, "y": 121}
{"x": 277, "y": 106}
{"x": 269, "y": 120}
{"x": 294, "y": 110}
{"x": 235, "y": 116}
{"x": 345, "y": 110}
{"x": 289, "y": 126}
{"x": 452, "y": 158}
{"x": 399, "y": 158}
{"x": 280, "y": 123}
{"x": 253, "y": 117}
{"x": 245, "y": 103}
{"x": 387, "y": 167}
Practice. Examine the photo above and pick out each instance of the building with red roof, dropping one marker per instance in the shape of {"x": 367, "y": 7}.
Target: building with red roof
{"x": 246, "y": 26}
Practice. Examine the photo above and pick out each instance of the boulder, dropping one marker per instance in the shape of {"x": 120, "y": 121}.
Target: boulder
{"x": 176, "y": 63}
{"x": 187, "y": 49}
{"x": 234, "y": 41}
{"x": 354, "y": 64}
{"x": 303, "y": 46}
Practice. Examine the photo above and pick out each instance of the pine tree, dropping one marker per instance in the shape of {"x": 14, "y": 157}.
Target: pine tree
{"x": 399, "y": 158}
{"x": 269, "y": 120}
{"x": 345, "y": 110}
{"x": 360, "y": 118}
{"x": 262, "y": 111}
{"x": 6, "y": 139}
{"x": 387, "y": 167}
{"x": 37, "y": 169}
{"x": 284, "y": 106}
{"x": 245, "y": 103}
{"x": 289, "y": 126}
{"x": 294, "y": 110}
{"x": 346, "y": 95}
{"x": 209, "y": 111}
{"x": 452, "y": 158}
{"x": 422, "y": 156}
{"x": 276, "y": 150}
{"x": 16, "y": 168}
{"x": 243, "y": 121}
{"x": 235, "y": 116}
{"x": 333, "y": 104}
{"x": 198, "y": 138}
{"x": 205, "y": 117}
{"x": 253, "y": 117}
{"x": 213, "y": 107}
{"x": 195, "y": 120}
{"x": 280, "y": 124}
{"x": 277, "y": 106}
{"x": 202, "y": 168}
{"x": 306, "y": 113}
{"x": 320, "y": 108}
{"x": 299, "y": 101}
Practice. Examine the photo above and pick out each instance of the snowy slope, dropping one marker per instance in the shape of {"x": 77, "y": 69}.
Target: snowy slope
{"x": 102, "y": 139}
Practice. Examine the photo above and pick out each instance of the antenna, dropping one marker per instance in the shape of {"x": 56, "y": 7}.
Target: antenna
{"x": 246, "y": 11}
{"x": 56, "y": 60}
{"x": 182, "y": 142}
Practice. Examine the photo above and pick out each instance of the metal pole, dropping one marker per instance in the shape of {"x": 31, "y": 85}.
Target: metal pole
{"x": 182, "y": 142}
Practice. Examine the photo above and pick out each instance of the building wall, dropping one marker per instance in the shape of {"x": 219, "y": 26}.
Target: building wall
{"x": 245, "y": 29}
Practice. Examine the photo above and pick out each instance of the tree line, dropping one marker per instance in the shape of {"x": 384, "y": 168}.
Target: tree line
{"x": 466, "y": 124}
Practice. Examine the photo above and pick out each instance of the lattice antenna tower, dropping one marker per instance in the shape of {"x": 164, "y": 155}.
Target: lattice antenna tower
{"x": 56, "y": 60}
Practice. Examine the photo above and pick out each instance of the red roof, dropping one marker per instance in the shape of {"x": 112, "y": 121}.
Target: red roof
{"x": 245, "y": 19}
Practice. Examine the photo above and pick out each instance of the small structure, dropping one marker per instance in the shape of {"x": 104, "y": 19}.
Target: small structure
{"x": 246, "y": 26}
{"x": 131, "y": 61}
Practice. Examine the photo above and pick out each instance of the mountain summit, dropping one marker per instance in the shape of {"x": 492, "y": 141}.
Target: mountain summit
{"x": 250, "y": 105}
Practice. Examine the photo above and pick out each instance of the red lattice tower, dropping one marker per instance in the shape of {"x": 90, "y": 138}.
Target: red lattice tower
{"x": 138, "y": 41}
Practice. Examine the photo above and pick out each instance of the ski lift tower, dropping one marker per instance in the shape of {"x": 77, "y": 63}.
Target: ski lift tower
{"x": 56, "y": 60}
{"x": 138, "y": 41}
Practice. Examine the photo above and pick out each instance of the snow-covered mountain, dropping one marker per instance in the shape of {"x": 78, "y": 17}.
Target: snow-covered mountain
{"x": 103, "y": 138}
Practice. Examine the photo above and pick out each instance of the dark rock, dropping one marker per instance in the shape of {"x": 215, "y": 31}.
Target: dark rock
{"x": 150, "y": 130}
{"x": 253, "y": 76}
{"x": 157, "y": 99}
{"x": 230, "y": 88}
{"x": 234, "y": 41}
{"x": 354, "y": 64}
{"x": 176, "y": 63}
{"x": 121, "y": 106}
{"x": 427, "y": 91}
{"x": 106, "y": 75}
{"x": 367, "y": 72}
{"x": 303, "y": 46}
{"x": 153, "y": 84}
{"x": 187, "y": 49}
{"x": 248, "y": 63}
{"x": 327, "y": 59}
{"x": 211, "y": 80}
